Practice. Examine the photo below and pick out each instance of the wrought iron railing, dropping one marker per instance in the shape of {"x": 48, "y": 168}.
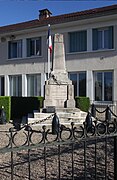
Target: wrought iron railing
{"x": 76, "y": 152}
{"x": 101, "y": 106}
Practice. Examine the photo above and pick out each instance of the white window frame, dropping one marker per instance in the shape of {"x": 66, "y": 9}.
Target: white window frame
{"x": 35, "y": 47}
{"x": 78, "y": 80}
{"x": 81, "y": 50}
{"x": 15, "y": 82}
{"x": 36, "y": 84}
{"x": 18, "y": 49}
{"x": 106, "y": 43}
{"x": 103, "y": 100}
{"x": 102, "y": 30}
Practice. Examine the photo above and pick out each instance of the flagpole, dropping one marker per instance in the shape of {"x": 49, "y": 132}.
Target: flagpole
{"x": 48, "y": 62}
{"x": 49, "y": 49}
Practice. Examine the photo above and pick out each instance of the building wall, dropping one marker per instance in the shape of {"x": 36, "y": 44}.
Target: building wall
{"x": 89, "y": 61}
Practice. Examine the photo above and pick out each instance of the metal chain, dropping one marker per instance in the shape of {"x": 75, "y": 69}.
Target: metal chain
{"x": 112, "y": 113}
{"x": 42, "y": 120}
{"x": 100, "y": 111}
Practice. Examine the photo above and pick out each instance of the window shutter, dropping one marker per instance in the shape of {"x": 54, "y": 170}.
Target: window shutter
{"x": 40, "y": 43}
{"x": 111, "y": 37}
{"x": 19, "y": 48}
{"x": 84, "y": 41}
{"x": 71, "y": 42}
{"x": 95, "y": 39}
{"x": 78, "y": 41}
{"x": 28, "y": 47}
{"x": 9, "y": 50}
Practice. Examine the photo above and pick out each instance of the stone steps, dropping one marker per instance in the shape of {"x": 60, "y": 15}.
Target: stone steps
{"x": 49, "y": 121}
{"x": 61, "y": 114}
{"x": 42, "y": 115}
{"x": 64, "y": 118}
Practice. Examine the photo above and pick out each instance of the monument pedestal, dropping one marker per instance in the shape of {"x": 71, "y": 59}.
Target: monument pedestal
{"x": 59, "y": 95}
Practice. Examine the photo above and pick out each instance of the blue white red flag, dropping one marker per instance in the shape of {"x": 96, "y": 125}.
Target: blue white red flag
{"x": 49, "y": 39}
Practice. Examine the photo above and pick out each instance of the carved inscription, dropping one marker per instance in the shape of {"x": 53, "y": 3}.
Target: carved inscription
{"x": 59, "y": 92}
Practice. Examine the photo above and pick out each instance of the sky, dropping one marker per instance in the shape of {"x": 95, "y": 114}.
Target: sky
{"x": 16, "y": 11}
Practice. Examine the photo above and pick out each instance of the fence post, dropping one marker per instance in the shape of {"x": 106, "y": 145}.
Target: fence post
{"x": 55, "y": 124}
{"x": 88, "y": 121}
{"x": 115, "y": 157}
{"x": 28, "y": 129}
{"x": 108, "y": 114}
{"x": 11, "y": 146}
{"x": 93, "y": 110}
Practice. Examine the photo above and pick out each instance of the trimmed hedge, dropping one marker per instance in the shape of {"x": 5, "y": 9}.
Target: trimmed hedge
{"x": 83, "y": 103}
{"x": 6, "y": 102}
{"x": 16, "y": 107}
{"x": 40, "y": 99}
{"x": 21, "y": 106}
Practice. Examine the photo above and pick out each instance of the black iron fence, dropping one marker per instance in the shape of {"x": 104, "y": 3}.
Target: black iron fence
{"x": 81, "y": 152}
{"x": 101, "y": 106}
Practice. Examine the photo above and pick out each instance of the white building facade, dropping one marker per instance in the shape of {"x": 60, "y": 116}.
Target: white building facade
{"x": 90, "y": 39}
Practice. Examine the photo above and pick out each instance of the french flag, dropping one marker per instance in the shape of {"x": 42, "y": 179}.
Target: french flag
{"x": 49, "y": 39}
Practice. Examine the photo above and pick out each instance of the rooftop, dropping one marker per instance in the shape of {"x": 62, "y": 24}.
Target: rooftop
{"x": 60, "y": 19}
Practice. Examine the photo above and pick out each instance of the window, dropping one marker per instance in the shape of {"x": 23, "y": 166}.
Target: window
{"x": 78, "y": 41}
{"x": 2, "y": 86}
{"x": 34, "y": 47}
{"x": 103, "y": 86}
{"x": 15, "y": 85}
{"x": 34, "y": 85}
{"x": 103, "y": 38}
{"x": 73, "y": 78}
{"x": 15, "y": 49}
{"x": 79, "y": 82}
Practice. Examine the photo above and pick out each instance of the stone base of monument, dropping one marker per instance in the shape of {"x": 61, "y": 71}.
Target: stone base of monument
{"x": 65, "y": 115}
{"x": 59, "y": 95}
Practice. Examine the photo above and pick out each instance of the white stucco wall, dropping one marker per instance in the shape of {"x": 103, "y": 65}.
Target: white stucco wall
{"x": 86, "y": 61}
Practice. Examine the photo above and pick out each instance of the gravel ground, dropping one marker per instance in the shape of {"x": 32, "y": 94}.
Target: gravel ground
{"x": 53, "y": 161}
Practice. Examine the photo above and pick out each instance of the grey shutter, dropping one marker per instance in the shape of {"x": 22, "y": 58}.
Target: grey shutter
{"x": 28, "y": 47}
{"x": 95, "y": 39}
{"x": 111, "y": 37}
{"x": 9, "y": 49}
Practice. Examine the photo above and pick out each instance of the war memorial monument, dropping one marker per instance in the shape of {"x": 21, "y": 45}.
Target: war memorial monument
{"x": 59, "y": 91}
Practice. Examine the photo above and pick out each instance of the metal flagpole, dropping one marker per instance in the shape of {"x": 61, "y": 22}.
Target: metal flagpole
{"x": 48, "y": 62}
{"x": 49, "y": 49}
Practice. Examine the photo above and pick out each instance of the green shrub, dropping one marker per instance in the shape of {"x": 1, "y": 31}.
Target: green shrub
{"x": 21, "y": 106}
{"x": 6, "y": 102}
{"x": 83, "y": 103}
{"x": 40, "y": 99}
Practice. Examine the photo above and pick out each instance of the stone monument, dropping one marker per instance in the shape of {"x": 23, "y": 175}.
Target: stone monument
{"x": 59, "y": 91}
